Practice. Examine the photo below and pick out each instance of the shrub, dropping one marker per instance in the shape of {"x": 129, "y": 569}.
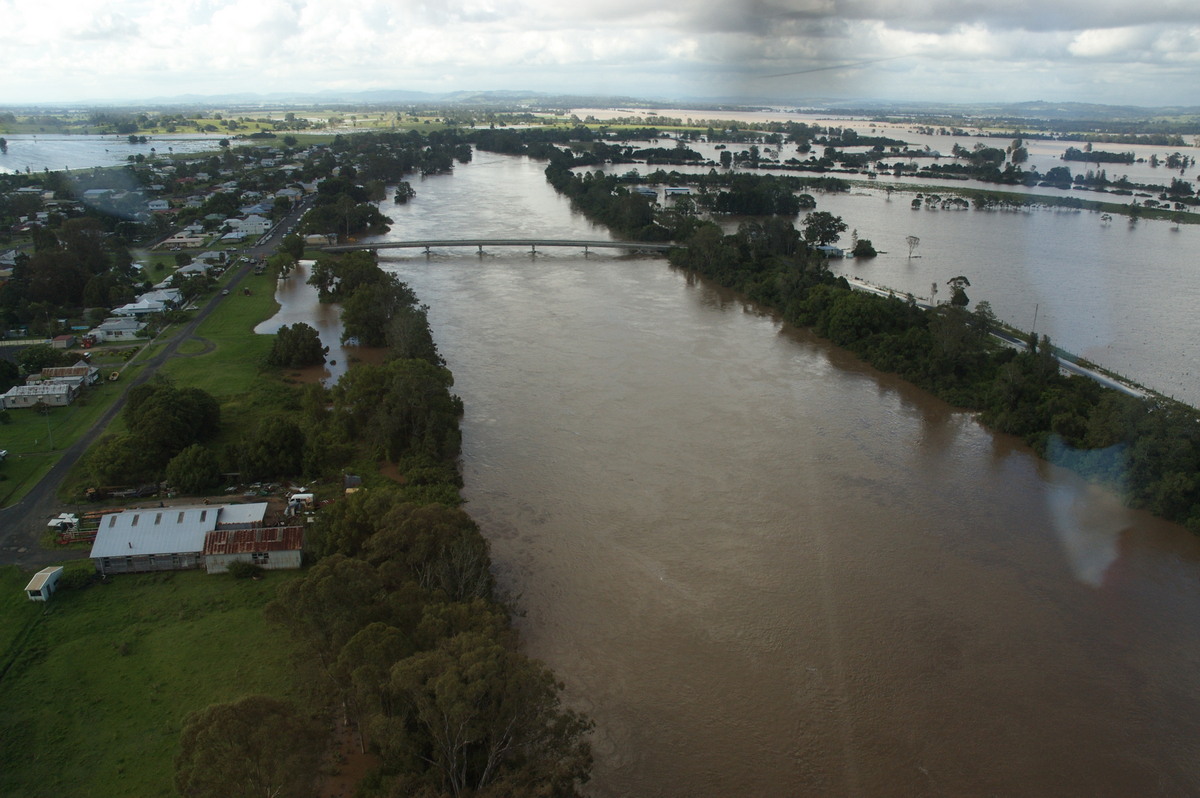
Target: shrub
{"x": 244, "y": 570}
{"x": 76, "y": 580}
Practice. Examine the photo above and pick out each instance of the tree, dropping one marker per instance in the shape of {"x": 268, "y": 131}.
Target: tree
{"x": 194, "y": 470}
{"x": 9, "y": 375}
{"x": 293, "y": 245}
{"x": 913, "y": 242}
{"x": 256, "y": 746}
{"x": 958, "y": 294}
{"x": 120, "y": 459}
{"x": 822, "y": 227}
{"x": 297, "y": 346}
{"x": 485, "y": 716}
{"x": 39, "y": 356}
{"x": 863, "y": 249}
{"x": 275, "y": 450}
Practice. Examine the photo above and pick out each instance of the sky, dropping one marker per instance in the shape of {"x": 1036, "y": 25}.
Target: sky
{"x": 1115, "y": 52}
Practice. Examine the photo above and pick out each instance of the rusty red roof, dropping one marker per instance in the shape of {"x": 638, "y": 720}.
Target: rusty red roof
{"x": 248, "y": 541}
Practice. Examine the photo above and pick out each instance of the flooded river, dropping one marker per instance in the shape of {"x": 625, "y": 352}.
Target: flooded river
{"x": 765, "y": 569}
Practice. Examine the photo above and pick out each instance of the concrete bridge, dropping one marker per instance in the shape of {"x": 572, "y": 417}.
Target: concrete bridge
{"x": 532, "y": 243}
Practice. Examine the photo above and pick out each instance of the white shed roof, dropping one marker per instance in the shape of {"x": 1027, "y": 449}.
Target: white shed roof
{"x": 243, "y": 513}
{"x": 41, "y": 577}
{"x": 158, "y": 530}
{"x": 168, "y": 530}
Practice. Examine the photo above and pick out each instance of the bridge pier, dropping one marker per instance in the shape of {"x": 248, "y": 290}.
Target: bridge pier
{"x": 532, "y": 249}
{"x": 427, "y": 251}
{"x": 481, "y": 250}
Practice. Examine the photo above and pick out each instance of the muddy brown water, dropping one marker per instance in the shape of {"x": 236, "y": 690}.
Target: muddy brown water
{"x": 764, "y": 568}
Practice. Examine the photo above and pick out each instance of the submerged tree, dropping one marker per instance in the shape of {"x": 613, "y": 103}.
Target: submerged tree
{"x": 958, "y": 293}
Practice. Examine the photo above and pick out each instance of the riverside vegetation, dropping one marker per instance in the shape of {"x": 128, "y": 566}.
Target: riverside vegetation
{"x": 398, "y": 619}
{"x": 397, "y": 626}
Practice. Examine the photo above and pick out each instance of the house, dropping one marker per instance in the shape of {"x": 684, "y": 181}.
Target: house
{"x": 199, "y": 267}
{"x": 168, "y": 538}
{"x": 251, "y": 225}
{"x": 171, "y": 297}
{"x": 646, "y": 191}
{"x": 82, "y": 370}
{"x": 50, "y": 394}
{"x": 118, "y": 329}
{"x": 158, "y": 205}
{"x": 182, "y": 240}
{"x": 44, "y": 583}
{"x": 271, "y": 548}
{"x": 140, "y": 308}
{"x": 830, "y": 251}
{"x": 62, "y": 341}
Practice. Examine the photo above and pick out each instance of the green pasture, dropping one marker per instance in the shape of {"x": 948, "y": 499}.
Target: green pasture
{"x": 234, "y": 363}
{"x": 99, "y": 680}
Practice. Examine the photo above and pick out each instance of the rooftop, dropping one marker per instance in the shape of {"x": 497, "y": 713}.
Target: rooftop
{"x": 41, "y": 577}
{"x": 248, "y": 541}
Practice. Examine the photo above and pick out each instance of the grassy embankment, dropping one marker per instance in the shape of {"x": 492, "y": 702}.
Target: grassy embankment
{"x": 96, "y": 683}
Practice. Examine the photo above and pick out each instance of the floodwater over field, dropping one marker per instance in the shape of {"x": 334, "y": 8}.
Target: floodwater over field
{"x": 765, "y": 569}
{"x": 1116, "y": 293}
{"x": 37, "y": 152}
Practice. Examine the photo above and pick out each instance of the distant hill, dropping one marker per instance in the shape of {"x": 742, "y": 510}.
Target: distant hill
{"x": 1055, "y": 113}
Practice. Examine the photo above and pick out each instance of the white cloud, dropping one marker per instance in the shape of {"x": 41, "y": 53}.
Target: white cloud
{"x": 1100, "y": 50}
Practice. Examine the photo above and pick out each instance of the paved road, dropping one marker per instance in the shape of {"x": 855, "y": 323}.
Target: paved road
{"x": 22, "y": 524}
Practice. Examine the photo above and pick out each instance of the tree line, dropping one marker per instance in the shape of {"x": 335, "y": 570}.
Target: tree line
{"x": 399, "y": 620}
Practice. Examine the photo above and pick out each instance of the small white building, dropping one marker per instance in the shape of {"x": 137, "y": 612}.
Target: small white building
{"x": 251, "y": 225}
{"x": 118, "y": 329}
{"x": 50, "y": 394}
{"x": 44, "y": 583}
{"x": 142, "y": 307}
{"x": 183, "y": 241}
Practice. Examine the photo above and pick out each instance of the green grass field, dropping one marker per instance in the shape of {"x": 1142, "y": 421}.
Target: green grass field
{"x": 100, "y": 680}
{"x": 234, "y": 364}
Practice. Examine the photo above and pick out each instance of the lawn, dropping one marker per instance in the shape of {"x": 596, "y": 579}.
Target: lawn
{"x": 101, "y": 682}
{"x": 234, "y": 365}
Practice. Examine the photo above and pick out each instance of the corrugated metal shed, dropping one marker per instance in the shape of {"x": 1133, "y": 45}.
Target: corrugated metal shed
{"x": 248, "y": 541}
{"x": 158, "y": 530}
